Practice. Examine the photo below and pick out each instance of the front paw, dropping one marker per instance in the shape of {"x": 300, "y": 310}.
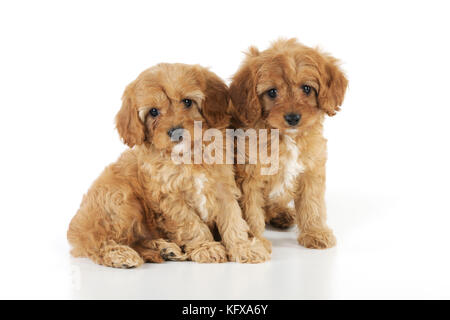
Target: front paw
{"x": 266, "y": 243}
{"x": 317, "y": 239}
{"x": 172, "y": 252}
{"x": 209, "y": 252}
{"x": 252, "y": 251}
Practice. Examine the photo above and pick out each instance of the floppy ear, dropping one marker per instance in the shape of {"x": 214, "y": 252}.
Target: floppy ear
{"x": 130, "y": 128}
{"x": 333, "y": 84}
{"x": 215, "y": 104}
{"x": 246, "y": 105}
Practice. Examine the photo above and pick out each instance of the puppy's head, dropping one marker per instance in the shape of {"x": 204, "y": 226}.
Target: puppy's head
{"x": 289, "y": 86}
{"x": 168, "y": 97}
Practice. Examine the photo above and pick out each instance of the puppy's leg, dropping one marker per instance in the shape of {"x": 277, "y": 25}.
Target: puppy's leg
{"x": 311, "y": 211}
{"x": 110, "y": 254}
{"x": 109, "y": 220}
{"x": 187, "y": 230}
{"x": 161, "y": 248}
{"x": 94, "y": 239}
{"x": 116, "y": 255}
{"x": 252, "y": 203}
{"x": 234, "y": 231}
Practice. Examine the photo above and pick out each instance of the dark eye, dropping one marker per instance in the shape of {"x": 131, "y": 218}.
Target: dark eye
{"x": 187, "y": 103}
{"x": 306, "y": 89}
{"x": 272, "y": 93}
{"x": 154, "y": 112}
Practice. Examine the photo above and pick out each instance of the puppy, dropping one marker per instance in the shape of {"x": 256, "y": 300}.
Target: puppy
{"x": 288, "y": 87}
{"x": 146, "y": 197}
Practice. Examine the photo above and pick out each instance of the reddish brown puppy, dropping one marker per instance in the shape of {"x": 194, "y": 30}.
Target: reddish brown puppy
{"x": 145, "y": 197}
{"x": 289, "y": 87}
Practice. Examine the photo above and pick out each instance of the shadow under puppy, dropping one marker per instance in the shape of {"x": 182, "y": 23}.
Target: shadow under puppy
{"x": 289, "y": 87}
{"x": 145, "y": 197}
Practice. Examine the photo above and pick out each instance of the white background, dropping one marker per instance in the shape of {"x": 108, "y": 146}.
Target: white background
{"x": 63, "y": 69}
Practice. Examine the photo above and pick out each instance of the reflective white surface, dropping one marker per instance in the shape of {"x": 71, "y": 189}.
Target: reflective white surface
{"x": 380, "y": 255}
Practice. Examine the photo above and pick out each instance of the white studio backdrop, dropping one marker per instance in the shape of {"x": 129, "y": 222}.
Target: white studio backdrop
{"x": 64, "y": 66}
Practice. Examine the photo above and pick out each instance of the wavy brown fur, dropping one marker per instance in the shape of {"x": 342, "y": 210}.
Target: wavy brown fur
{"x": 144, "y": 197}
{"x": 296, "y": 192}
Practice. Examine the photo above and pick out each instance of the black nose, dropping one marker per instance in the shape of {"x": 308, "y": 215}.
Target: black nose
{"x": 292, "y": 118}
{"x": 176, "y": 133}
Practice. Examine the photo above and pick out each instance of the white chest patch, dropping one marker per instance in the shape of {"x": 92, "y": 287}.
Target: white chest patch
{"x": 291, "y": 204}
{"x": 292, "y": 167}
{"x": 200, "y": 199}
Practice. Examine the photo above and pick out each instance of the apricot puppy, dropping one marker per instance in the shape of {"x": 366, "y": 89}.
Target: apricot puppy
{"x": 289, "y": 87}
{"x": 145, "y": 197}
